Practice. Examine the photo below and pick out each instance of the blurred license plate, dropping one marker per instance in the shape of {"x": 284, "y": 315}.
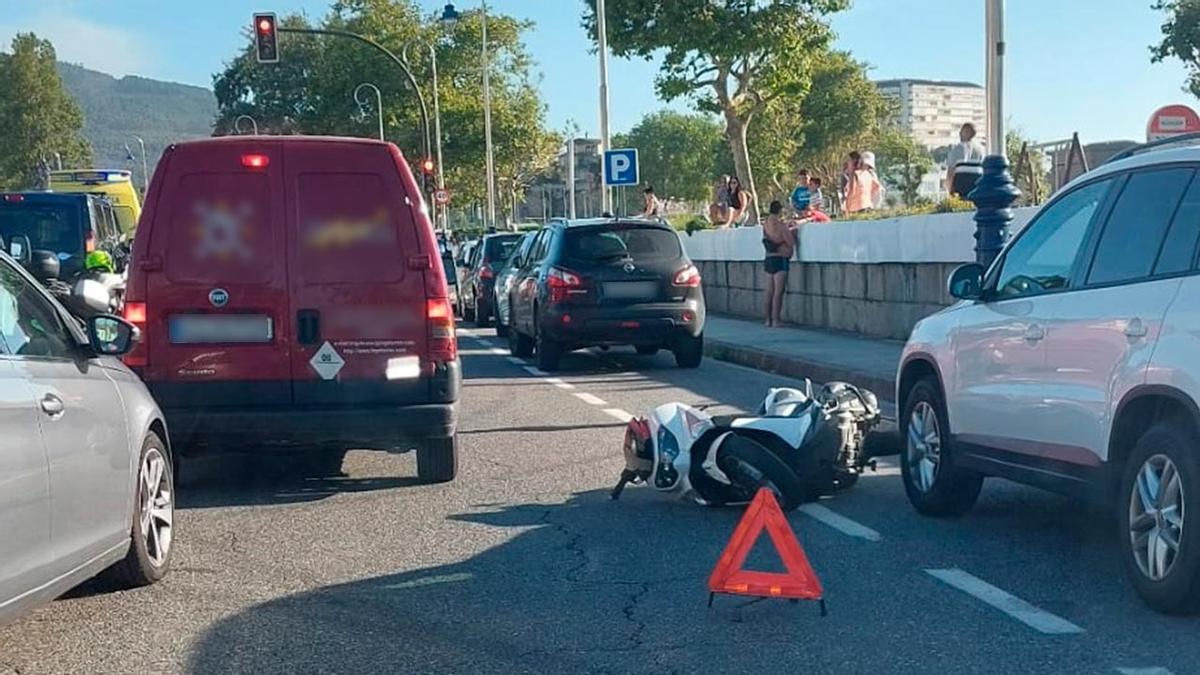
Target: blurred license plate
{"x": 631, "y": 290}
{"x": 229, "y": 328}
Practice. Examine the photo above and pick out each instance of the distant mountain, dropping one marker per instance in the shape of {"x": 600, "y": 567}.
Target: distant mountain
{"x": 117, "y": 110}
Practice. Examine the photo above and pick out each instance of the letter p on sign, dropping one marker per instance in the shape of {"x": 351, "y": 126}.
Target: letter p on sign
{"x": 621, "y": 167}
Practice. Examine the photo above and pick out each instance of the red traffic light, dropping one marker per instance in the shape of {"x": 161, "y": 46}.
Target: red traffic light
{"x": 427, "y": 165}
{"x": 266, "y": 38}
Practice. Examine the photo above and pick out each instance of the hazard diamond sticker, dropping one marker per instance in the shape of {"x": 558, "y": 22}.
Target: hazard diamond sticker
{"x": 327, "y": 362}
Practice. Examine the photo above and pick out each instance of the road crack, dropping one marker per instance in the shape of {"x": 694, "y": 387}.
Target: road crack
{"x": 628, "y": 610}
{"x": 573, "y": 545}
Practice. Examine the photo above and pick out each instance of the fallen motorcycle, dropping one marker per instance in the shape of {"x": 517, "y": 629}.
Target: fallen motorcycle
{"x": 800, "y": 446}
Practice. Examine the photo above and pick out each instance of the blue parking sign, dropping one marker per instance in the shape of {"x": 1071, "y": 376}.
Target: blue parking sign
{"x": 621, "y": 167}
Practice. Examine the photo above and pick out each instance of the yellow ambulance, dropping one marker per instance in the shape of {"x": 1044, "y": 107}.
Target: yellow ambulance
{"x": 115, "y": 184}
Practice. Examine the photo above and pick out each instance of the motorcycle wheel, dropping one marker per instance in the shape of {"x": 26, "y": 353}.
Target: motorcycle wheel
{"x": 751, "y": 466}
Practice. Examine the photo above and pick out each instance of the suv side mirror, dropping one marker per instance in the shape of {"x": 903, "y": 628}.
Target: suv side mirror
{"x": 20, "y": 249}
{"x": 966, "y": 282}
{"x": 110, "y": 335}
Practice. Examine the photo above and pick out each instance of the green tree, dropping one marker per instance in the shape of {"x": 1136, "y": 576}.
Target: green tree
{"x": 731, "y": 57}
{"x": 677, "y": 153}
{"x": 1014, "y": 140}
{"x": 842, "y": 111}
{"x": 1181, "y": 38}
{"x": 311, "y": 90}
{"x": 38, "y": 118}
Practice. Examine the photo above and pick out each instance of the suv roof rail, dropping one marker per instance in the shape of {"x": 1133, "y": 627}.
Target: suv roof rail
{"x": 1154, "y": 145}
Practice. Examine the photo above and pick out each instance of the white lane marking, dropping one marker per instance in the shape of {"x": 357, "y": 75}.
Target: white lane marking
{"x": 839, "y": 522}
{"x": 536, "y": 371}
{"x": 517, "y": 360}
{"x": 430, "y": 581}
{"x": 1037, "y": 619}
{"x": 589, "y": 399}
{"x": 560, "y": 383}
{"x": 619, "y": 414}
{"x": 498, "y": 350}
{"x": 1144, "y": 671}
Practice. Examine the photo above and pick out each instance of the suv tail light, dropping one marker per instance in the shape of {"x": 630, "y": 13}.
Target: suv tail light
{"x": 135, "y": 313}
{"x": 443, "y": 346}
{"x": 562, "y": 283}
{"x": 688, "y": 276}
{"x": 485, "y": 270}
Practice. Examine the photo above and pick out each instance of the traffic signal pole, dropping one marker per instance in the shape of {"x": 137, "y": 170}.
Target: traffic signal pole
{"x": 412, "y": 81}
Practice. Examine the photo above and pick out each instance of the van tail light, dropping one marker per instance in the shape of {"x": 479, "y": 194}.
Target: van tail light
{"x": 443, "y": 345}
{"x": 89, "y": 242}
{"x": 562, "y": 283}
{"x": 135, "y": 313}
{"x": 688, "y": 276}
{"x": 255, "y": 161}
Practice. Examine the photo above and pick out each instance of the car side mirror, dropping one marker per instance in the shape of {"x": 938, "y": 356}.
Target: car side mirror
{"x": 44, "y": 265}
{"x": 20, "y": 249}
{"x": 110, "y": 335}
{"x": 966, "y": 282}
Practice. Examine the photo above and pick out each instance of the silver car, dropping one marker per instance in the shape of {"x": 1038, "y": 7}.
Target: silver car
{"x": 85, "y": 471}
{"x": 504, "y": 279}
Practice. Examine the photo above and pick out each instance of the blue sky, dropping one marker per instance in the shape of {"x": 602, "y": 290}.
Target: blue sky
{"x": 1074, "y": 65}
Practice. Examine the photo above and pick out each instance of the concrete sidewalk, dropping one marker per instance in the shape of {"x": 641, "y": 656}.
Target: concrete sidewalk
{"x": 820, "y": 355}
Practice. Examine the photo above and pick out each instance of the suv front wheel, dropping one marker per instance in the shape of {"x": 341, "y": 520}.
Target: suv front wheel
{"x": 1159, "y": 487}
{"x": 935, "y": 487}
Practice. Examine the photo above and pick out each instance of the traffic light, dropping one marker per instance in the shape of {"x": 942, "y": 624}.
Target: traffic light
{"x": 427, "y": 179}
{"x": 266, "y": 38}
{"x": 427, "y": 166}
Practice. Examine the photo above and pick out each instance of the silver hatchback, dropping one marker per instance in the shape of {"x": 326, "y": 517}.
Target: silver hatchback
{"x": 85, "y": 471}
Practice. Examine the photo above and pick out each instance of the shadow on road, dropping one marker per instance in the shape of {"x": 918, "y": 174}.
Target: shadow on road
{"x": 564, "y": 595}
{"x": 270, "y": 478}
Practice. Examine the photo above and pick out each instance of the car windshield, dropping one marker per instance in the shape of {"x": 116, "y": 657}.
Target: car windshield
{"x": 52, "y": 227}
{"x": 619, "y": 242}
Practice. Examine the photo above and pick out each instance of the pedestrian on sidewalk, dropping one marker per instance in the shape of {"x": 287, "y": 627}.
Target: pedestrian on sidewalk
{"x": 653, "y": 206}
{"x": 964, "y": 166}
{"x": 739, "y": 199}
{"x": 864, "y": 192}
{"x": 779, "y": 240}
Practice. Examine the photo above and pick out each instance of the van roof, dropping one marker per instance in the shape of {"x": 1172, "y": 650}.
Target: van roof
{"x": 240, "y": 140}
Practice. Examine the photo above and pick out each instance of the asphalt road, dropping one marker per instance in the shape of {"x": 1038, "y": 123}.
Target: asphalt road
{"x": 524, "y": 565}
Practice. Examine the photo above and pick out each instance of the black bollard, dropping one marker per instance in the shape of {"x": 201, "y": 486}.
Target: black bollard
{"x": 993, "y": 196}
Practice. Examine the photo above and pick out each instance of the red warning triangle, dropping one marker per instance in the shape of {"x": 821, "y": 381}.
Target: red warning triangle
{"x": 799, "y": 582}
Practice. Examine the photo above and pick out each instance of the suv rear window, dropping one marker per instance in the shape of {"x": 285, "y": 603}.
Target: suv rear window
{"x": 499, "y": 248}
{"x": 619, "y": 242}
{"x": 52, "y": 227}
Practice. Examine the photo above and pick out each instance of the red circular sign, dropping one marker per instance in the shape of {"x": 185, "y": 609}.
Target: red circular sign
{"x": 1172, "y": 120}
{"x": 441, "y": 197}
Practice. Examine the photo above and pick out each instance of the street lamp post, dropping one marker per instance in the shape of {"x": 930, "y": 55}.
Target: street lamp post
{"x": 571, "y": 178}
{"x": 449, "y": 16}
{"x": 145, "y": 166}
{"x": 362, "y": 103}
{"x": 237, "y": 124}
{"x": 602, "y": 42}
{"x": 994, "y": 192}
{"x": 443, "y": 215}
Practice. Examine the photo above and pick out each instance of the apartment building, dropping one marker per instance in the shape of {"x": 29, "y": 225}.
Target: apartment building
{"x": 932, "y": 111}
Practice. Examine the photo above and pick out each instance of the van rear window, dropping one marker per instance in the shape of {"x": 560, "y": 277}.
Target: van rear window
{"x": 222, "y": 229}
{"x": 347, "y": 229}
{"x": 53, "y": 227}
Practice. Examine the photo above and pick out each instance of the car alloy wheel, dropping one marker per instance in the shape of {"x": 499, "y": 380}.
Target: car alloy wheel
{"x": 1156, "y": 512}
{"x": 924, "y": 446}
{"x": 157, "y": 508}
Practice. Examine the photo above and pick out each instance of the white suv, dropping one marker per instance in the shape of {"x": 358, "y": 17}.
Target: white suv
{"x": 1073, "y": 364}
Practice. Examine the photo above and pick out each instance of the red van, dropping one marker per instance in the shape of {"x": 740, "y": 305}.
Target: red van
{"x": 289, "y": 293}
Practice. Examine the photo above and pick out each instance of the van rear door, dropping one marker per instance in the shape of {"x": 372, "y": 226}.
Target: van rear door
{"x": 218, "y": 320}
{"x": 357, "y": 301}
